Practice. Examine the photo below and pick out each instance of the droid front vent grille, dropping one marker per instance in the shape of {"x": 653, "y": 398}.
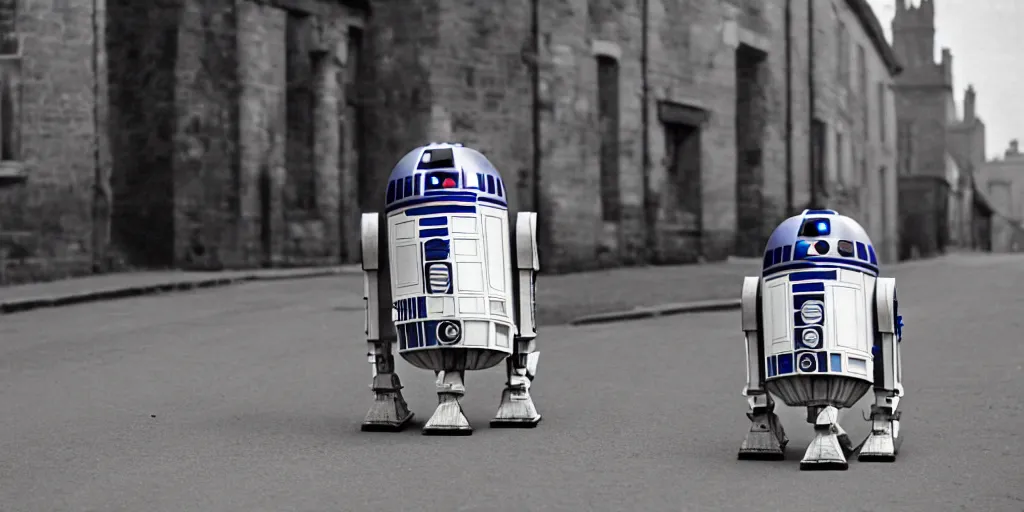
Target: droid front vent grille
{"x": 439, "y": 278}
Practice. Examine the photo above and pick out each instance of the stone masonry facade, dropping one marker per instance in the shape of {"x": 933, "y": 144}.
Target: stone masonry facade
{"x": 52, "y": 147}
{"x": 250, "y": 133}
{"x": 702, "y": 167}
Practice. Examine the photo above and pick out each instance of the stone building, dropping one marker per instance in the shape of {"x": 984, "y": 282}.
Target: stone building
{"x": 51, "y": 138}
{"x": 662, "y": 130}
{"x": 966, "y": 139}
{"x": 855, "y": 121}
{"x": 1002, "y": 179}
{"x": 935, "y": 185}
{"x": 226, "y": 122}
{"x": 242, "y": 133}
{"x": 179, "y": 133}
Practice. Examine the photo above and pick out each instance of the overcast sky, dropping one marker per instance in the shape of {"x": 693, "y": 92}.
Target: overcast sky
{"x": 987, "y": 41}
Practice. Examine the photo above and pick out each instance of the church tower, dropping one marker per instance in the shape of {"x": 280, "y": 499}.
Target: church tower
{"x": 925, "y": 112}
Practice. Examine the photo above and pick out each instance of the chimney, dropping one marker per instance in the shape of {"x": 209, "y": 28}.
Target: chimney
{"x": 947, "y": 65}
{"x": 969, "y": 105}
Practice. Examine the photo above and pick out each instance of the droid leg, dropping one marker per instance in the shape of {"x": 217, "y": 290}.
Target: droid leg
{"x": 766, "y": 439}
{"x": 883, "y": 444}
{"x": 448, "y": 418}
{"x": 831, "y": 444}
{"x": 389, "y": 411}
{"x": 517, "y": 409}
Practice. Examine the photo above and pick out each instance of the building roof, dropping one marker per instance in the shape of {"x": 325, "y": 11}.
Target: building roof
{"x": 869, "y": 21}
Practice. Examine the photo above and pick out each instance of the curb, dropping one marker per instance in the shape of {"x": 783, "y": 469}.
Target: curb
{"x": 703, "y": 306}
{"x": 153, "y": 288}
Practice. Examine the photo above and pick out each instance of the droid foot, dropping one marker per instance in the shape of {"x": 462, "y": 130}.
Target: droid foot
{"x": 516, "y": 410}
{"x": 883, "y": 444}
{"x": 880, "y": 446}
{"x": 389, "y": 412}
{"x": 448, "y": 419}
{"x": 766, "y": 440}
{"x": 830, "y": 446}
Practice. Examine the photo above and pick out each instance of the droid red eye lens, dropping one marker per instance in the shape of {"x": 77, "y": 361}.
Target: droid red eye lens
{"x": 448, "y": 183}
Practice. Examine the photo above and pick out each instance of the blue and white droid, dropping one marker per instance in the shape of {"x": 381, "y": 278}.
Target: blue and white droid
{"x": 821, "y": 330}
{"x": 460, "y": 302}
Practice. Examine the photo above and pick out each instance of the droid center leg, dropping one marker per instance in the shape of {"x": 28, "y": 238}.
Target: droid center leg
{"x": 517, "y": 408}
{"x": 831, "y": 444}
{"x": 389, "y": 411}
{"x": 766, "y": 439}
{"x": 883, "y": 444}
{"x": 448, "y": 418}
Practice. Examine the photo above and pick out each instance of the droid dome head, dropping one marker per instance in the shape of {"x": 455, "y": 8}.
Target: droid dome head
{"x": 819, "y": 238}
{"x": 444, "y": 172}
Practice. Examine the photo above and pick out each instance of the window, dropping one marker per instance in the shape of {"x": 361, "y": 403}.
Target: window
{"x": 862, "y": 84}
{"x": 882, "y": 97}
{"x": 862, "y": 70}
{"x": 842, "y": 56}
{"x": 841, "y": 170}
{"x": 10, "y": 86}
{"x": 9, "y": 116}
{"x": 353, "y": 65}
{"x": 300, "y": 63}
{"x": 608, "y": 118}
{"x": 818, "y": 151}
{"x": 9, "y": 42}
{"x": 905, "y": 146}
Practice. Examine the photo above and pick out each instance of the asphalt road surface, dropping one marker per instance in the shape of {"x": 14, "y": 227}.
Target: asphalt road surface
{"x": 250, "y": 398}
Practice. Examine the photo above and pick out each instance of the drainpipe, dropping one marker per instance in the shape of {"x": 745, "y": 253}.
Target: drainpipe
{"x": 789, "y": 108}
{"x": 645, "y": 113}
{"x": 102, "y": 202}
{"x": 542, "y": 224}
{"x": 811, "y": 97}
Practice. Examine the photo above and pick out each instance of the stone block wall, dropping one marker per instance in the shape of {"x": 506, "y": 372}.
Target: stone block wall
{"x": 46, "y": 213}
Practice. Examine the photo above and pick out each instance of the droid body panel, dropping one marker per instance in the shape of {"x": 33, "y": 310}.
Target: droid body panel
{"x": 822, "y": 328}
{"x": 449, "y": 247}
{"x": 459, "y": 300}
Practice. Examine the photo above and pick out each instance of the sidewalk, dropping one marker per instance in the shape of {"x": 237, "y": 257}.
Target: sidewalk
{"x": 132, "y": 284}
{"x": 583, "y": 298}
{"x": 638, "y": 292}
{"x": 561, "y": 298}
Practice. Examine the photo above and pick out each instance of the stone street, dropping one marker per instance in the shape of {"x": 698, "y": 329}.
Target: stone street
{"x": 250, "y": 397}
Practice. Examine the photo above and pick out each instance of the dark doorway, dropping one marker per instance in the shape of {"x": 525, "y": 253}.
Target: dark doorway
{"x": 142, "y": 84}
{"x": 752, "y": 226}
{"x": 300, "y": 100}
{"x": 608, "y": 117}
{"x": 680, "y": 216}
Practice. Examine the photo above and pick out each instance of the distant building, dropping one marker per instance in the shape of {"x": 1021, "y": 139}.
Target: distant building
{"x": 1002, "y": 179}
{"x": 936, "y": 187}
{"x": 966, "y": 139}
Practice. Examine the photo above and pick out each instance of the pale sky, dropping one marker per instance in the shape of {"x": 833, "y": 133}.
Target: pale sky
{"x": 987, "y": 41}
